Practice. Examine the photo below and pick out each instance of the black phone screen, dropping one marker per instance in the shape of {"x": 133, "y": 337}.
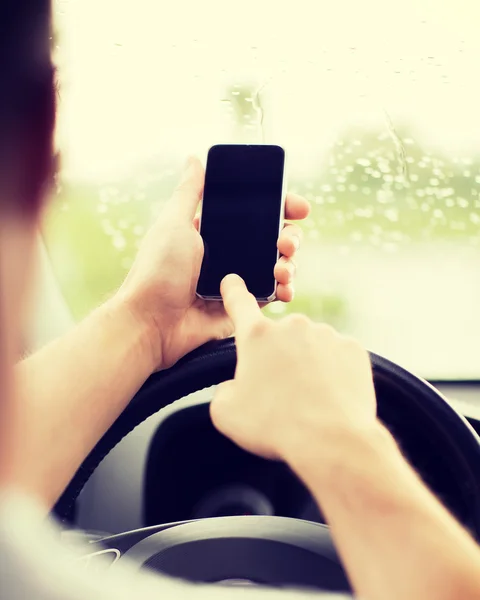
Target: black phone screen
{"x": 241, "y": 215}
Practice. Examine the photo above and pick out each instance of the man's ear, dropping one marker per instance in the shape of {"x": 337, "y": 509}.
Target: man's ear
{"x": 27, "y": 164}
{"x": 39, "y": 156}
{"x": 28, "y": 102}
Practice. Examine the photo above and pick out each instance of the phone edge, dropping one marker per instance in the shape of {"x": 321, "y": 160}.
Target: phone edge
{"x": 281, "y": 223}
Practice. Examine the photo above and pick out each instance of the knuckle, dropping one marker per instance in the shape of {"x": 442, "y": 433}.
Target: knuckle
{"x": 187, "y": 188}
{"x": 294, "y": 231}
{"x": 297, "y": 320}
{"x": 182, "y": 187}
{"x": 327, "y": 330}
{"x": 287, "y": 264}
{"x": 227, "y": 296}
{"x": 298, "y": 231}
{"x": 354, "y": 346}
{"x": 259, "y": 328}
{"x": 285, "y": 270}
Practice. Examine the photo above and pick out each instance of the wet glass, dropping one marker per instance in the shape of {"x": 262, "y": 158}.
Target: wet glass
{"x": 376, "y": 104}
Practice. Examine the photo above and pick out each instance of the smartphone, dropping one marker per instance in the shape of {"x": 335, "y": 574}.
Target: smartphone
{"x": 242, "y": 215}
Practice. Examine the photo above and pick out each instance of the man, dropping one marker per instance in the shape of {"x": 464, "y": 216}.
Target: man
{"x": 302, "y": 393}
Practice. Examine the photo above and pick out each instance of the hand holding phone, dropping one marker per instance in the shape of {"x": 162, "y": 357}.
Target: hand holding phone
{"x": 242, "y": 216}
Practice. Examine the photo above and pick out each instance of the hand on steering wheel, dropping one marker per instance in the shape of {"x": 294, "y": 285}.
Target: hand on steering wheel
{"x": 294, "y": 379}
{"x": 160, "y": 288}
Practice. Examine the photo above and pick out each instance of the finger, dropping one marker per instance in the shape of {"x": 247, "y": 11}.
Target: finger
{"x": 222, "y": 397}
{"x": 196, "y": 222}
{"x": 289, "y": 240}
{"x": 284, "y": 270}
{"x": 187, "y": 195}
{"x": 240, "y": 305}
{"x": 285, "y": 292}
{"x": 224, "y": 391}
{"x": 296, "y": 207}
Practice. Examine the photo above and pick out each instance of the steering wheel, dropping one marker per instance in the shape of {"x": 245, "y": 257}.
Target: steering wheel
{"x": 273, "y": 550}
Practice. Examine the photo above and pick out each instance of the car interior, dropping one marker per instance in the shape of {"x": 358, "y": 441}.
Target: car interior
{"x": 376, "y": 108}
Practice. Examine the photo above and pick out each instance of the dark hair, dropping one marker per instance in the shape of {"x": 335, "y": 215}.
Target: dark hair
{"x": 27, "y": 103}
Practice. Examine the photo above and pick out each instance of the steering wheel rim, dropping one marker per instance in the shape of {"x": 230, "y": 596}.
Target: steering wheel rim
{"x": 215, "y": 362}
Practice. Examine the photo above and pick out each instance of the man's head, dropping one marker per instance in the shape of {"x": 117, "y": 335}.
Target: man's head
{"x": 27, "y": 105}
{"x": 27, "y": 115}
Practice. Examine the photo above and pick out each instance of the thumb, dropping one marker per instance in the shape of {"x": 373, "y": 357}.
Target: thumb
{"x": 220, "y": 405}
{"x": 187, "y": 195}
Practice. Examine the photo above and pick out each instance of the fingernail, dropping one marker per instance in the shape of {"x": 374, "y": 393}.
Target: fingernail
{"x": 230, "y": 278}
{"x": 296, "y": 242}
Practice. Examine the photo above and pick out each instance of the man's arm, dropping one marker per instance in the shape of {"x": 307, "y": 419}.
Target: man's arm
{"x": 396, "y": 540}
{"x": 70, "y": 392}
{"x": 304, "y": 393}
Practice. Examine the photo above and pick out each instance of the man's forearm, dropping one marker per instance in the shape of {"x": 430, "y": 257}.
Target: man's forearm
{"x": 70, "y": 392}
{"x": 396, "y": 540}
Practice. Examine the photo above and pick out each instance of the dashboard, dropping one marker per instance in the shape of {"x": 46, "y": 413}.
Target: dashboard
{"x": 193, "y": 472}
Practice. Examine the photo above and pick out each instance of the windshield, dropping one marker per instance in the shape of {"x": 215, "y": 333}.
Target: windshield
{"x": 377, "y": 106}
